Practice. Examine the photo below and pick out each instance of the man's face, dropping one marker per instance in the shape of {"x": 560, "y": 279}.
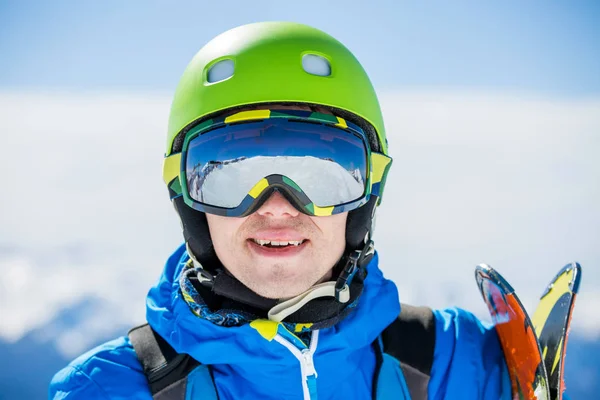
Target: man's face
{"x": 279, "y": 271}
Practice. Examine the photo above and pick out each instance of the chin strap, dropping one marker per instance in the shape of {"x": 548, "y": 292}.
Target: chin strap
{"x": 339, "y": 289}
{"x": 223, "y": 284}
{"x": 290, "y": 306}
{"x": 356, "y": 260}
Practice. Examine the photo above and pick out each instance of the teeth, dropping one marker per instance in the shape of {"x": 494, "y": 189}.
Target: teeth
{"x": 279, "y": 244}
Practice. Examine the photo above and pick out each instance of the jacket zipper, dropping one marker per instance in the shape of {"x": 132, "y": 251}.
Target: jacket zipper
{"x": 307, "y": 366}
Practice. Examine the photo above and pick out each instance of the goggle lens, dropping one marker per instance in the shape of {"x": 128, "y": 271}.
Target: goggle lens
{"x": 224, "y": 165}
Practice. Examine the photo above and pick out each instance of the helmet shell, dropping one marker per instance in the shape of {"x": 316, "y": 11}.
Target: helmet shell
{"x": 267, "y": 68}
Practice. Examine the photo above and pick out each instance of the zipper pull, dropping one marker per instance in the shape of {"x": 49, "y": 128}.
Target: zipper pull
{"x": 308, "y": 363}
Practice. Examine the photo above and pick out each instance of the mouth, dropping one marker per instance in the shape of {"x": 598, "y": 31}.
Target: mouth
{"x": 276, "y": 243}
{"x": 277, "y": 248}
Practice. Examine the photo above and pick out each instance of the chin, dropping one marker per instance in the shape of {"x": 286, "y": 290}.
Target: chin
{"x": 281, "y": 280}
{"x": 277, "y": 293}
{"x": 279, "y": 290}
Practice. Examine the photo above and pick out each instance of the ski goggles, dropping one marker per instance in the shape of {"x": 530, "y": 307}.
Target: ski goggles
{"x": 321, "y": 163}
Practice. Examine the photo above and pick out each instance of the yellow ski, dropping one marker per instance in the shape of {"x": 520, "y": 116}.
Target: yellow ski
{"x": 551, "y": 322}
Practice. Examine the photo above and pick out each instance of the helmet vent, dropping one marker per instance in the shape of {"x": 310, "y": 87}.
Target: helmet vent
{"x": 220, "y": 71}
{"x": 316, "y": 65}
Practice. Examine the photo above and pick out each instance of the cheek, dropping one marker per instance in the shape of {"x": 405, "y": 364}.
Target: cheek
{"x": 222, "y": 229}
{"x": 333, "y": 228}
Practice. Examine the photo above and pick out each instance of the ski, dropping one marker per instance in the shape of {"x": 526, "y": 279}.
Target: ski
{"x": 551, "y": 321}
{"x": 517, "y": 336}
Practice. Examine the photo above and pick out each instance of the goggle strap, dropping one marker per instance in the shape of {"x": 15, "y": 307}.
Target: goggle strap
{"x": 381, "y": 164}
{"x": 171, "y": 167}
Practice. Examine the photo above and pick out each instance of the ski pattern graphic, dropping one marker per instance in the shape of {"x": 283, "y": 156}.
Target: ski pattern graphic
{"x": 551, "y": 321}
{"x": 516, "y": 334}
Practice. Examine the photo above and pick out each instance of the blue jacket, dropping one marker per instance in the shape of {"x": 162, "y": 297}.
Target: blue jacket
{"x": 251, "y": 361}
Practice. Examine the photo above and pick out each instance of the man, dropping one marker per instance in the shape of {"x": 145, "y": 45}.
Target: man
{"x": 276, "y": 160}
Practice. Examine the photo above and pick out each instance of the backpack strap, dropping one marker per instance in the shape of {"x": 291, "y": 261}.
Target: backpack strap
{"x": 410, "y": 340}
{"x": 165, "y": 369}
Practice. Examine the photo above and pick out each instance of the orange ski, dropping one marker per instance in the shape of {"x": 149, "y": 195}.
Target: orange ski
{"x": 517, "y": 336}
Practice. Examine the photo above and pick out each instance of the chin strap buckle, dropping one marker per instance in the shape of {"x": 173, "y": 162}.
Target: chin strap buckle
{"x": 205, "y": 278}
{"x": 354, "y": 263}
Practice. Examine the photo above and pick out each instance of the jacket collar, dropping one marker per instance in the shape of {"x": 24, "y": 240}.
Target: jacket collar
{"x": 171, "y": 316}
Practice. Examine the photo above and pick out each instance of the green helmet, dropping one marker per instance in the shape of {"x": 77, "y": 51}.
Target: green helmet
{"x": 269, "y": 62}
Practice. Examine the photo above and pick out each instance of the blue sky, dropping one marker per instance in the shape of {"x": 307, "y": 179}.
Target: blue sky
{"x": 541, "y": 47}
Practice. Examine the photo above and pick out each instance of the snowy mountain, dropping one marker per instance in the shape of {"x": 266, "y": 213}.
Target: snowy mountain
{"x": 27, "y": 365}
{"x": 582, "y": 369}
{"x": 26, "y": 368}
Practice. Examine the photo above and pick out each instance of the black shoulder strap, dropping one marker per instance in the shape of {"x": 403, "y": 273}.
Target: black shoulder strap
{"x": 411, "y": 340}
{"x": 162, "y": 365}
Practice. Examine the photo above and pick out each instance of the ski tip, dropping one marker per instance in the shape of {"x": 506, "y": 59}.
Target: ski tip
{"x": 482, "y": 267}
{"x": 575, "y": 279}
{"x": 485, "y": 272}
{"x": 481, "y": 271}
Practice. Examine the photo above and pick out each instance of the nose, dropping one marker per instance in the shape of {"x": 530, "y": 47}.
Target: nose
{"x": 277, "y": 206}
